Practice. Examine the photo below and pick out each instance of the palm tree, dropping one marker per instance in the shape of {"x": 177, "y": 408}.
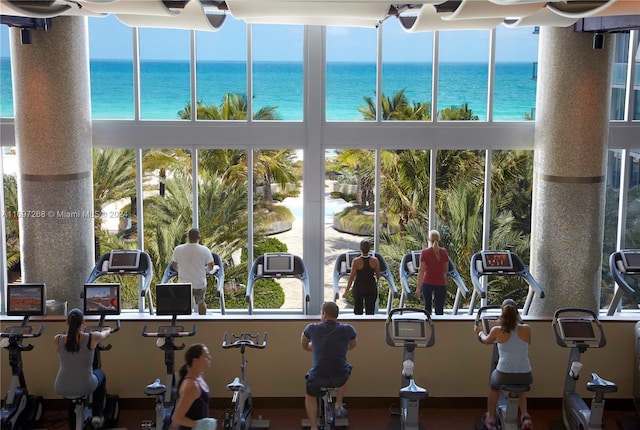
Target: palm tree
{"x": 454, "y": 113}
{"x": 361, "y": 163}
{"x": 113, "y": 177}
{"x": 274, "y": 166}
{"x": 12, "y": 224}
{"x": 405, "y": 183}
{"x": 396, "y": 108}
{"x": 232, "y": 107}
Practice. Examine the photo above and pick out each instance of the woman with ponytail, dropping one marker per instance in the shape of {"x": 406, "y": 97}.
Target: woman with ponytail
{"x": 513, "y": 367}
{"x": 432, "y": 274}
{"x": 192, "y": 405}
{"x": 76, "y": 376}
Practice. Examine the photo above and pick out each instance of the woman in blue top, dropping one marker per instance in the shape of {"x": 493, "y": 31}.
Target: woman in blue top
{"x": 76, "y": 376}
{"x": 513, "y": 339}
{"x": 192, "y": 405}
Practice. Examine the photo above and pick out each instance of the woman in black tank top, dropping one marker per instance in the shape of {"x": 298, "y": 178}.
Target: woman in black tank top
{"x": 365, "y": 272}
{"x": 193, "y": 392}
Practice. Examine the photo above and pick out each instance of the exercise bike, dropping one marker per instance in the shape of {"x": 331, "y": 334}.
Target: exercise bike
{"x": 579, "y": 330}
{"x": 506, "y": 415}
{"x": 241, "y": 418}
{"x": 410, "y": 328}
{"x": 82, "y": 404}
{"x": 21, "y": 410}
{"x": 327, "y": 418}
{"x": 165, "y": 394}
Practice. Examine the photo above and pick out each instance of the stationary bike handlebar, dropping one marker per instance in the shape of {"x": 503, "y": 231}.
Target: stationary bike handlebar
{"x": 13, "y": 335}
{"x": 482, "y": 321}
{"x": 245, "y": 339}
{"x": 595, "y": 339}
{"x": 168, "y": 331}
{"x": 402, "y": 310}
{"x": 21, "y": 332}
{"x": 101, "y": 326}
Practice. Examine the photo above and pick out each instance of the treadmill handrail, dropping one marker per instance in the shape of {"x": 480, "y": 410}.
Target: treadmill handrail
{"x": 303, "y": 276}
{"x": 147, "y": 275}
{"x": 624, "y": 288}
{"x": 170, "y": 273}
{"x": 452, "y": 272}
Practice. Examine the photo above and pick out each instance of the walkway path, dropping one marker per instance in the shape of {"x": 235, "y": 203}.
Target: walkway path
{"x": 335, "y": 243}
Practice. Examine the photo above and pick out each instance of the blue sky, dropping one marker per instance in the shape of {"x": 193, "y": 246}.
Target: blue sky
{"x": 109, "y": 39}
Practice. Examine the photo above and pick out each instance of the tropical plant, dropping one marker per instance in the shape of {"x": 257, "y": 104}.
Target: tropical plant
{"x": 12, "y": 227}
{"x": 113, "y": 178}
{"x": 232, "y": 107}
{"x": 361, "y": 163}
{"x": 396, "y": 107}
{"x": 454, "y": 113}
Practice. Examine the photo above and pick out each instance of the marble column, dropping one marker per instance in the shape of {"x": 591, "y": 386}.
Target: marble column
{"x": 52, "y": 103}
{"x": 571, "y": 132}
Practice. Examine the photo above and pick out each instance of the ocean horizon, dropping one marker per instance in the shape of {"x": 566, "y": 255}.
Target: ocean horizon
{"x": 165, "y": 87}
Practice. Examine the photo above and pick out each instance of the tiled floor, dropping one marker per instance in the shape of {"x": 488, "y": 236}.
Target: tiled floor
{"x": 359, "y": 419}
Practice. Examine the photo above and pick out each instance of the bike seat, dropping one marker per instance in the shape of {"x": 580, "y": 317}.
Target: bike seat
{"x": 413, "y": 392}
{"x": 516, "y": 388}
{"x": 155, "y": 389}
{"x": 599, "y": 385}
{"x": 325, "y": 389}
{"x": 236, "y": 385}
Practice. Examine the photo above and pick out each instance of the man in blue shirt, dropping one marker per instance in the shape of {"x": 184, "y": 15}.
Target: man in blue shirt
{"x": 329, "y": 341}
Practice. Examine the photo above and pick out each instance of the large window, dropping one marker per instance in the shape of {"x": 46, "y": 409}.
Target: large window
{"x": 243, "y": 182}
{"x": 111, "y": 71}
{"x": 463, "y": 74}
{"x": 277, "y": 72}
{"x": 407, "y": 72}
{"x": 164, "y": 73}
{"x": 351, "y": 72}
{"x": 6, "y": 89}
{"x": 221, "y": 69}
{"x": 516, "y": 73}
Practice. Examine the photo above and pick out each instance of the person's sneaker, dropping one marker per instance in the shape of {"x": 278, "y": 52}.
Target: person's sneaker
{"x": 97, "y": 422}
{"x": 341, "y": 412}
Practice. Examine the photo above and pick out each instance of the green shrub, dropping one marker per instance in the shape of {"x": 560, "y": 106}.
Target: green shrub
{"x": 268, "y": 244}
{"x": 267, "y": 294}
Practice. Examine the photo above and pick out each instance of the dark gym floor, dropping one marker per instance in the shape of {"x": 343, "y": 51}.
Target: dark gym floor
{"x": 360, "y": 418}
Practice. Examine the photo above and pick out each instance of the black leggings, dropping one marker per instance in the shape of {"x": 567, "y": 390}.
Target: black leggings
{"x": 369, "y": 303}
{"x": 435, "y": 294}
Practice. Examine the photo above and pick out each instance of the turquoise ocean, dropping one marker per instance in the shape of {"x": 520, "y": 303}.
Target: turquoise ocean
{"x": 165, "y": 87}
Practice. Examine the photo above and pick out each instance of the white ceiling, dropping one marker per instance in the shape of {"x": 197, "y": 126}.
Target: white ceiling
{"x": 429, "y": 15}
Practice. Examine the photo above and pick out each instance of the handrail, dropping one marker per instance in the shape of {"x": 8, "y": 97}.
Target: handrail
{"x": 218, "y": 272}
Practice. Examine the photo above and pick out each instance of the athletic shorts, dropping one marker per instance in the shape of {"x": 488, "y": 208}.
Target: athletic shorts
{"x": 315, "y": 384}
{"x": 198, "y": 295}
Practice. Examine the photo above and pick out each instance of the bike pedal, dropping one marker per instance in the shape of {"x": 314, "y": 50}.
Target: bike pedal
{"x": 146, "y": 425}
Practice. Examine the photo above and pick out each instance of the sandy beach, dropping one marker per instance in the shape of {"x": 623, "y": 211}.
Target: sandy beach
{"x": 335, "y": 243}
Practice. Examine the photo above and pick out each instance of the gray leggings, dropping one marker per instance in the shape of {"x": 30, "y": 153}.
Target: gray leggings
{"x": 499, "y": 378}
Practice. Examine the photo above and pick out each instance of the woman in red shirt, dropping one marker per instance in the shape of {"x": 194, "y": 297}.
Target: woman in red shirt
{"x": 432, "y": 274}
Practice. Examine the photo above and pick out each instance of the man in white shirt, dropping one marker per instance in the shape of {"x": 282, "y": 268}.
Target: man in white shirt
{"x": 193, "y": 261}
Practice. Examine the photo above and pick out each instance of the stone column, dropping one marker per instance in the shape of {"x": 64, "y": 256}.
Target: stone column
{"x": 571, "y": 132}
{"x": 52, "y": 102}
